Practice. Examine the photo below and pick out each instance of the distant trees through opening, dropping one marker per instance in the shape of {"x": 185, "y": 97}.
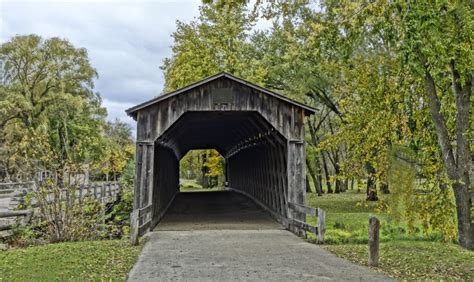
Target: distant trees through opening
{"x": 201, "y": 169}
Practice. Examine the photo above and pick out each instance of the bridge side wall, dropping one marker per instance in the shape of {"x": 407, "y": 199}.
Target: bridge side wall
{"x": 261, "y": 173}
{"x": 166, "y": 181}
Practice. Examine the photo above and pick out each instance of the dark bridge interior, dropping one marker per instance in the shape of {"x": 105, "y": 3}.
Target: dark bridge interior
{"x": 254, "y": 152}
{"x": 216, "y": 210}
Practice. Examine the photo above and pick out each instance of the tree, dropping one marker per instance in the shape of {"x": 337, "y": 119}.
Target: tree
{"x": 215, "y": 42}
{"x": 436, "y": 44}
{"x": 47, "y": 90}
{"x": 118, "y": 149}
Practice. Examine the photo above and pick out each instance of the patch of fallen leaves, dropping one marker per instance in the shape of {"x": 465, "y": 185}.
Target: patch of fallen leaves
{"x": 414, "y": 260}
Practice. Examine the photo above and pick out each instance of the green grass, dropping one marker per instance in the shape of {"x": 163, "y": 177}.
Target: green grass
{"x": 347, "y": 220}
{"x": 109, "y": 260}
{"x": 415, "y": 260}
{"x": 191, "y": 185}
{"x": 403, "y": 255}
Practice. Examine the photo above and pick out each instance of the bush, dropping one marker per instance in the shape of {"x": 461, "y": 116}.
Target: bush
{"x": 118, "y": 218}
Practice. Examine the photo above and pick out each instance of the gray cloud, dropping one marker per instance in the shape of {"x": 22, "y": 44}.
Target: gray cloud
{"x": 126, "y": 41}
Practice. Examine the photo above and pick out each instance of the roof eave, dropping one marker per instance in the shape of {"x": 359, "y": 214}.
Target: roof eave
{"x": 132, "y": 112}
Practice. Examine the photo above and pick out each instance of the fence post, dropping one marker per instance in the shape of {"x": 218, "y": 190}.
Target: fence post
{"x": 134, "y": 227}
{"x": 374, "y": 226}
{"x": 27, "y": 218}
{"x": 321, "y": 225}
{"x": 94, "y": 186}
{"x": 81, "y": 187}
{"x": 102, "y": 191}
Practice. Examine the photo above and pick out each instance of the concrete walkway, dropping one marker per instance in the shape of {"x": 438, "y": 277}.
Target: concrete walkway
{"x": 215, "y": 249}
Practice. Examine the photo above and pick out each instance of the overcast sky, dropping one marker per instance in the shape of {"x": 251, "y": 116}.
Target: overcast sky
{"x": 127, "y": 40}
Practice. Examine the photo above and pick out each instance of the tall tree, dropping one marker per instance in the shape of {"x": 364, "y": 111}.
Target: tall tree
{"x": 47, "y": 92}
{"x": 437, "y": 40}
{"x": 216, "y": 41}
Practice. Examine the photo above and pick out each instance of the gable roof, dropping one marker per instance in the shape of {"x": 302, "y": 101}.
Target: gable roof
{"x": 133, "y": 110}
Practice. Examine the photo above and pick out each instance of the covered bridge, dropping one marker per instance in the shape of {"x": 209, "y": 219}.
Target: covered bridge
{"x": 259, "y": 133}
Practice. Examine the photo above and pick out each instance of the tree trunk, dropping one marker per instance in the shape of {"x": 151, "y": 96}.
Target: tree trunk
{"x": 463, "y": 211}
{"x": 457, "y": 166}
{"x": 308, "y": 187}
{"x": 384, "y": 188}
{"x": 317, "y": 186}
{"x": 371, "y": 188}
{"x": 345, "y": 185}
{"x": 326, "y": 174}
{"x": 317, "y": 179}
{"x": 339, "y": 183}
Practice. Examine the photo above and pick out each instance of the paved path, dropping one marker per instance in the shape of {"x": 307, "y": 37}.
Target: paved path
{"x": 232, "y": 247}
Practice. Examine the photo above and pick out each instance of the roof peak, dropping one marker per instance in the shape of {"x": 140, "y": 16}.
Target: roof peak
{"x": 132, "y": 111}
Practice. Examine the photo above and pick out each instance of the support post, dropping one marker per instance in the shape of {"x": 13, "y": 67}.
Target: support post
{"x": 95, "y": 190}
{"x": 102, "y": 191}
{"x": 374, "y": 226}
{"x": 321, "y": 226}
{"x": 134, "y": 226}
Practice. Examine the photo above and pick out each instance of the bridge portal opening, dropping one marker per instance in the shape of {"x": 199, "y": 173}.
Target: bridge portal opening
{"x": 251, "y": 152}
{"x": 202, "y": 170}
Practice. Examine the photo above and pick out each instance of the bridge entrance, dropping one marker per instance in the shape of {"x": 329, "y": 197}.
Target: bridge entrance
{"x": 259, "y": 133}
{"x": 215, "y": 210}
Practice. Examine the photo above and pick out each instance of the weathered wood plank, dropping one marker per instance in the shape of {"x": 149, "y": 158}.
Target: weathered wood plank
{"x": 374, "y": 226}
{"x": 305, "y": 226}
{"x": 303, "y": 209}
{"x": 321, "y": 226}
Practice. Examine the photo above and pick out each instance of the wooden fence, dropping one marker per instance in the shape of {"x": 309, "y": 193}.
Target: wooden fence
{"x": 26, "y": 214}
{"x": 105, "y": 192}
{"x": 319, "y": 230}
{"x": 140, "y": 220}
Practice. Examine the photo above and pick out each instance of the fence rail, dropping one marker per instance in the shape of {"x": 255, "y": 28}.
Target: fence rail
{"x": 140, "y": 220}
{"x": 320, "y": 229}
{"x": 105, "y": 192}
{"x": 26, "y": 214}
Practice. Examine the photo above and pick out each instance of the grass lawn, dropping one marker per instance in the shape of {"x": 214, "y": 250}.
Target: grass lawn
{"x": 191, "y": 185}
{"x": 109, "y": 260}
{"x": 403, "y": 255}
{"x": 414, "y": 260}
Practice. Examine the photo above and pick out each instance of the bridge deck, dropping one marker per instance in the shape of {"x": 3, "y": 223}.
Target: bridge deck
{"x": 218, "y": 210}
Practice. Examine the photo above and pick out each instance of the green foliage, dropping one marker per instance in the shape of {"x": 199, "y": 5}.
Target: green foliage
{"x": 52, "y": 120}
{"x": 47, "y": 92}
{"x": 118, "y": 219}
{"x": 62, "y": 216}
{"x": 411, "y": 201}
{"x": 205, "y": 166}
{"x": 215, "y": 42}
{"x": 106, "y": 260}
{"x": 190, "y": 166}
{"x": 117, "y": 150}
{"x": 347, "y": 220}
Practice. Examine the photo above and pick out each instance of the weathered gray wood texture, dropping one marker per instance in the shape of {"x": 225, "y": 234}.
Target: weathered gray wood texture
{"x": 261, "y": 137}
{"x": 154, "y": 120}
{"x": 374, "y": 227}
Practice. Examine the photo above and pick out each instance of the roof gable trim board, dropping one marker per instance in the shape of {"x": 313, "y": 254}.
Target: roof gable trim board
{"x": 133, "y": 110}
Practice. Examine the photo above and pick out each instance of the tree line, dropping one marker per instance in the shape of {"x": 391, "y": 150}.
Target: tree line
{"x": 51, "y": 118}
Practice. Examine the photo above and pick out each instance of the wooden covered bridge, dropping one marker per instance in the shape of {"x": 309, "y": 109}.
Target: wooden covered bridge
{"x": 259, "y": 133}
